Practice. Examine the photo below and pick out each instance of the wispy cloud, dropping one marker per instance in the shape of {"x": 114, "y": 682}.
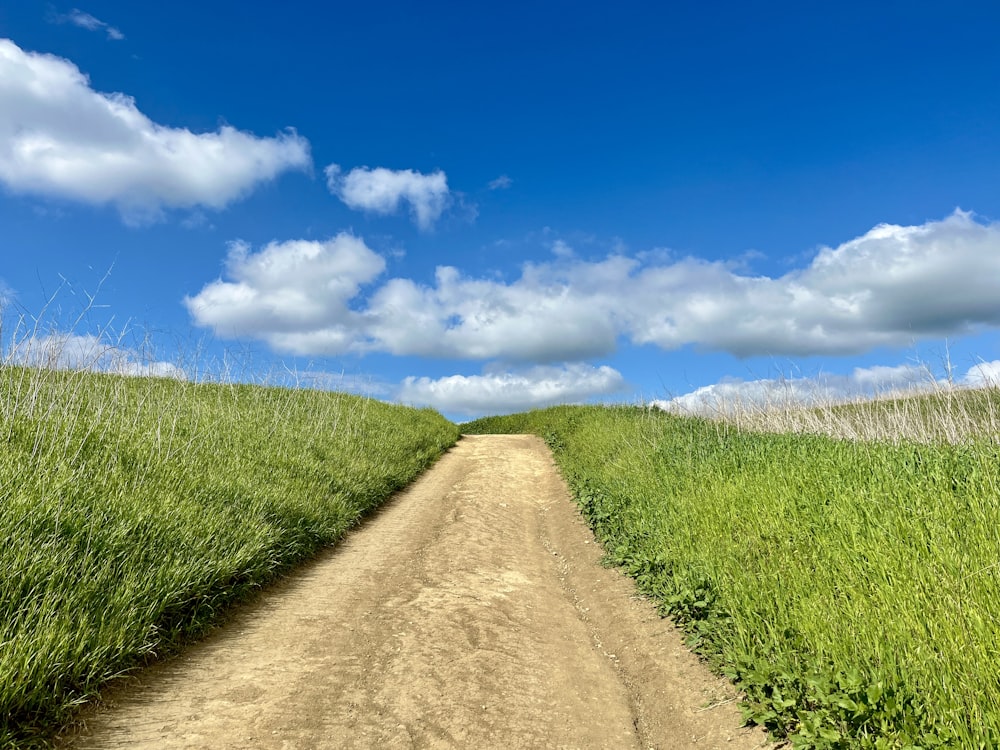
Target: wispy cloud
{"x": 500, "y": 392}
{"x": 60, "y": 138}
{"x": 382, "y": 191}
{"x": 500, "y": 183}
{"x": 86, "y": 21}
{"x": 889, "y": 287}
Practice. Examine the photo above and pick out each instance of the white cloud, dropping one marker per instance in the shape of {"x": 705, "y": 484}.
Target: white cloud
{"x": 295, "y": 295}
{"x": 733, "y": 395}
{"x": 86, "y": 21}
{"x": 60, "y": 138}
{"x": 889, "y": 287}
{"x": 504, "y": 392}
{"x": 885, "y": 288}
{"x": 73, "y": 352}
{"x": 381, "y": 191}
{"x": 982, "y": 375}
{"x": 500, "y": 183}
{"x": 535, "y": 319}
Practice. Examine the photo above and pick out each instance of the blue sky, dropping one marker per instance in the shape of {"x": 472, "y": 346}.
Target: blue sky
{"x": 490, "y": 209}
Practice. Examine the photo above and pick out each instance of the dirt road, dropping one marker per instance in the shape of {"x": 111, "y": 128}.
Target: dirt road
{"x": 470, "y": 612}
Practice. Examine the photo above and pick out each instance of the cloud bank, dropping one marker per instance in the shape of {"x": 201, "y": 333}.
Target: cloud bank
{"x": 382, "y": 191}
{"x": 734, "y": 395}
{"x": 768, "y": 393}
{"x": 507, "y": 392}
{"x": 889, "y": 287}
{"x": 60, "y": 138}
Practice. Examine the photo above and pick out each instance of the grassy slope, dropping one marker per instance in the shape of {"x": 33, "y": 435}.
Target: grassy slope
{"x": 134, "y": 509}
{"x": 852, "y": 589}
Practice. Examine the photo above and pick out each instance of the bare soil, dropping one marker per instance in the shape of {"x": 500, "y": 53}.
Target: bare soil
{"x": 472, "y": 611}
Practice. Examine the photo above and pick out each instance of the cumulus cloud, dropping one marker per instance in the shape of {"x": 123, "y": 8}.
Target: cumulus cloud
{"x": 381, "y": 191}
{"x": 295, "y": 295}
{"x": 74, "y": 352}
{"x": 504, "y": 392}
{"x": 86, "y": 21}
{"x": 535, "y": 319}
{"x": 735, "y": 395}
{"x": 885, "y": 288}
{"x": 60, "y": 138}
{"x": 889, "y": 287}
{"x": 985, "y": 374}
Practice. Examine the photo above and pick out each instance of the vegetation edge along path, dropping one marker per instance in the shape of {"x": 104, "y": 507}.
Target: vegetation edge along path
{"x": 471, "y": 611}
{"x": 849, "y": 588}
{"x": 137, "y": 509}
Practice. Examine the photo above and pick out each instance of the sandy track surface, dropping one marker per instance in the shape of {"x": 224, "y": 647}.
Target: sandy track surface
{"x": 470, "y": 612}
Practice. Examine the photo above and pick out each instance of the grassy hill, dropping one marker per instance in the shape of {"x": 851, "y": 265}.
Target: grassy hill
{"x": 851, "y": 588}
{"x": 135, "y": 509}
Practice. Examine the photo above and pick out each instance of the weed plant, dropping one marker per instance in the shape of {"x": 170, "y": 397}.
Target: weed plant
{"x": 135, "y": 509}
{"x": 850, "y": 588}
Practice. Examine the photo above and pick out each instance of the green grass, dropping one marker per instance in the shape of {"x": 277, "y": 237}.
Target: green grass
{"x": 136, "y": 509}
{"x": 850, "y": 588}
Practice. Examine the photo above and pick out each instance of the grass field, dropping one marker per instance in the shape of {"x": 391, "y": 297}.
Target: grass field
{"x": 135, "y": 509}
{"x": 851, "y": 588}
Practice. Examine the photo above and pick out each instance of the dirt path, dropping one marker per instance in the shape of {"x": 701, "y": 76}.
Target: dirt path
{"x": 471, "y": 612}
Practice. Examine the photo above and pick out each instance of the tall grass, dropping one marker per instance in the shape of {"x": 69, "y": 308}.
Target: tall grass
{"x": 851, "y": 588}
{"x": 134, "y": 509}
{"x": 933, "y": 412}
{"x": 947, "y": 415}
